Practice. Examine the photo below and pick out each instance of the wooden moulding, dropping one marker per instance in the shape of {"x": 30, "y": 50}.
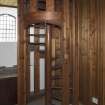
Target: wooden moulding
{"x": 42, "y": 16}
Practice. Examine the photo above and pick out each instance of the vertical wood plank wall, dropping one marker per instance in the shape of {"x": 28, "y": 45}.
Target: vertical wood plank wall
{"x": 75, "y": 46}
{"x": 66, "y": 70}
{"x": 87, "y": 25}
{"x": 102, "y": 52}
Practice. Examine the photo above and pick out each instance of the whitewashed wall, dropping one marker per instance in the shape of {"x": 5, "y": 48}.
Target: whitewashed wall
{"x": 8, "y": 54}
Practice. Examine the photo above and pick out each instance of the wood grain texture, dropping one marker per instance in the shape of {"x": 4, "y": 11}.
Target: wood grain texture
{"x": 90, "y": 23}
{"x": 48, "y": 65}
{"x": 66, "y": 69}
{"x": 84, "y": 52}
{"x": 21, "y": 58}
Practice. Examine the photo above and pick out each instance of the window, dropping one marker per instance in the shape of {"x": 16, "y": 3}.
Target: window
{"x": 8, "y": 26}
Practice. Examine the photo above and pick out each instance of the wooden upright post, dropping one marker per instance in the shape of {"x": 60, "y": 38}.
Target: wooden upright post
{"x": 22, "y": 57}
{"x": 48, "y": 66}
{"x": 76, "y": 52}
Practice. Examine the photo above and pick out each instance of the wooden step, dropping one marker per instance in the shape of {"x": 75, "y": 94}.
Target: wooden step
{"x": 60, "y": 88}
{"x": 42, "y": 44}
{"x": 39, "y": 35}
{"x": 56, "y": 87}
{"x": 56, "y": 98}
{"x": 57, "y": 67}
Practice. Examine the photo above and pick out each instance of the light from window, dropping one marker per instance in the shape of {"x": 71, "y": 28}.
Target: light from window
{"x": 8, "y": 24}
{"x": 7, "y": 28}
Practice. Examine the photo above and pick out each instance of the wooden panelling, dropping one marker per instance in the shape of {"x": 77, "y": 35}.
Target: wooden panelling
{"x": 88, "y": 49}
{"x": 102, "y": 71}
{"x": 83, "y": 41}
{"x": 66, "y": 69}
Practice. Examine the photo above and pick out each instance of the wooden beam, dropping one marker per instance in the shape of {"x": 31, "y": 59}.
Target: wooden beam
{"x": 101, "y": 38}
{"x": 22, "y": 95}
{"x": 92, "y": 50}
{"x": 75, "y": 52}
{"x": 102, "y": 72}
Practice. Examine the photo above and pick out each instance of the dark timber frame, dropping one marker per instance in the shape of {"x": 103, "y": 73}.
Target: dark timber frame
{"x": 54, "y": 20}
{"x": 76, "y": 29}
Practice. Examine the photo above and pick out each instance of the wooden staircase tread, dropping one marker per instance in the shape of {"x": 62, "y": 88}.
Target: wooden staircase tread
{"x": 57, "y": 67}
{"x": 56, "y": 98}
{"x": 39, "y": 35}
{"x": 37, "y": 44}
{"x": 60, "y": 88}
{"x": 57, "y": 77}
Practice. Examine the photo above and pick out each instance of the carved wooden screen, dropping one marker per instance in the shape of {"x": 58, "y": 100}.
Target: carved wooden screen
{"x": 52, "y": 15}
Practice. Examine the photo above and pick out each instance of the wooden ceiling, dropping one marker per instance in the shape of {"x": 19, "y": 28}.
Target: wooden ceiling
{"x": 8, "y": 2}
